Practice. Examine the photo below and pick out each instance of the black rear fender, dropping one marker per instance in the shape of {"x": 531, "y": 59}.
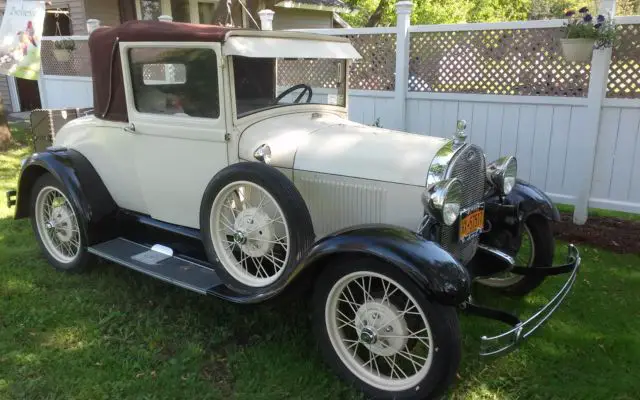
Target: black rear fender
{"x": 85, "y": 188}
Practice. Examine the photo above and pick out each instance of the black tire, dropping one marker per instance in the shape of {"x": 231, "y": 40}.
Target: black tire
{"x": 544, "y": 248}
{"x": 83, "y": 257}
{"x": 443, "y": 322}
{"x": 285, "y": 194}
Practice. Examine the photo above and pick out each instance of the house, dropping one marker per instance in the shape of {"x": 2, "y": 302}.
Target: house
{"x": 69, "y": 17}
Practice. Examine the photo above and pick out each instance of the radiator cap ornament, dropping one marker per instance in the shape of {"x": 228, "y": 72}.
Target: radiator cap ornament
{"x": 460, "y": 137}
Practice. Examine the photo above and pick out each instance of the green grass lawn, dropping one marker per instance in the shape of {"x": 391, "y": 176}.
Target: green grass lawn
{"x": 114, "y": 333}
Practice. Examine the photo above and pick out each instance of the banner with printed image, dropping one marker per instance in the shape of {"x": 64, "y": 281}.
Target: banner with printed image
{"x": 20, "y": 35}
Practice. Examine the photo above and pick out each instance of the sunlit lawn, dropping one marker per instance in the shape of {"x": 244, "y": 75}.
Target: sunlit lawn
{"x": 113, "y": 333}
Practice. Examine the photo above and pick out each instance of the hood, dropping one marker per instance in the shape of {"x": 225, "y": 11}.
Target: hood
{"x": 333, "y": 145}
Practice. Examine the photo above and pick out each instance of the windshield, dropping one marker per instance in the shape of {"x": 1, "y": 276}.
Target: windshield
{"x": 264, "y": 83}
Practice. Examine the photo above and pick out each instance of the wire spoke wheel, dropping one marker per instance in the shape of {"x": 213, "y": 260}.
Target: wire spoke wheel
{"x": 57, "y": 225}
{"x": 250, "y": 233}
{"x": 379, "y": 331}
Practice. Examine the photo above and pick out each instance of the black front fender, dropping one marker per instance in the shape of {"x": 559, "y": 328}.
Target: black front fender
{"x": 506, "y": 214}
{"x": 85, "y": 189}
{"x": 528, "y": 200}
{"x": 432, "y": 268}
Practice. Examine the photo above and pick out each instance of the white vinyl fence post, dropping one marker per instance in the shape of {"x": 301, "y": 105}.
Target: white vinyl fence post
{"x": 266, "y": 19}
{"x": 597, "y": 93}
{"x": 403, "y": 11}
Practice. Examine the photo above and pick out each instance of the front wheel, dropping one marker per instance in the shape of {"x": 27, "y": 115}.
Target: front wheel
{"x": 536, "y": 249}
{"x": 381, "y": 333}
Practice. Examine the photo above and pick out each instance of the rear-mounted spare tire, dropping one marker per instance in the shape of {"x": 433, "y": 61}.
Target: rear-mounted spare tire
{"x": 255, "y": 226}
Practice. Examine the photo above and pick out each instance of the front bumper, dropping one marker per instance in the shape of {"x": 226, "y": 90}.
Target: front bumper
{"x": 509, "y": 340}
{"x": 11, "y": 198}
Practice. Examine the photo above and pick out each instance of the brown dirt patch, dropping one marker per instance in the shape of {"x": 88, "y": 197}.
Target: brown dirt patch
{"x": 614, "y": 234}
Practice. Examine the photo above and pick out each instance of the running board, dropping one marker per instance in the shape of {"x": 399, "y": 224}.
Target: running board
{"x": 158, "y": 263}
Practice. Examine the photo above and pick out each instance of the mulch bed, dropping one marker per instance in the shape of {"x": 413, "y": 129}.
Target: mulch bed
{"x": 610, "y": 233}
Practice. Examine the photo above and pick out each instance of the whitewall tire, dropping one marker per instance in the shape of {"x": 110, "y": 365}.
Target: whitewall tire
{"x": 381, "y": 333}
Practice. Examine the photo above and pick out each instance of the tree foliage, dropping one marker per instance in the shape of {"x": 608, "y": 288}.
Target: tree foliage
{"x": 381, "y": 12}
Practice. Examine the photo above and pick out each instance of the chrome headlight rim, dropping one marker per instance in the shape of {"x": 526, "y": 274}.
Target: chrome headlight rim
{"x": 502, "y": 173}
{"x": 443, "y": 200}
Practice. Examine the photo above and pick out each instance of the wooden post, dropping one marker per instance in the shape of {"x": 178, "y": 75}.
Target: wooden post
{"x": 403, "y": 12}
{"x": 597, "y": 93}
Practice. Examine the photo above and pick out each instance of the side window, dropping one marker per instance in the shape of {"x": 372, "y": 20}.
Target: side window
{"x": 175, "y": 81}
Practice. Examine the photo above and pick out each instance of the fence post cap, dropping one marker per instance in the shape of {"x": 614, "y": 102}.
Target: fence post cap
{"x": 404, "y": 7}
{"x": 266, "y": 13}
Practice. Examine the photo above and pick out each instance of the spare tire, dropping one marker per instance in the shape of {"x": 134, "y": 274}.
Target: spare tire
{"x": 255, "y": 226}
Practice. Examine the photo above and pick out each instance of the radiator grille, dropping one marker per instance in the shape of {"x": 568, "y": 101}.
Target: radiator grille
{"x": 469, "y": 167}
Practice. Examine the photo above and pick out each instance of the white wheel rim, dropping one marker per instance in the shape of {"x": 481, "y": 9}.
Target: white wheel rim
{"x": 250, "y": 234}
{"x": 523, "y": 258}
{"x": 394, "y": 350}
{"x": 57, "y": 225}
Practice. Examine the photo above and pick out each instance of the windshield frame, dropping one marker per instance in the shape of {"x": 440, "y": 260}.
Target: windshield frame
{"x": 287, "y": 107}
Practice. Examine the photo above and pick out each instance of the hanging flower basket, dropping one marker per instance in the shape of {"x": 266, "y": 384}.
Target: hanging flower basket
{"x": 62, "y": 55}
{"x": 583, "y": 33}
{"x": 577, "y": 50}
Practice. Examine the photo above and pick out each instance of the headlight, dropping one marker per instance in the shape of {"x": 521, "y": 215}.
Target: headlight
{"x": 443, "y": 200}
{"x": 502, "y": 173}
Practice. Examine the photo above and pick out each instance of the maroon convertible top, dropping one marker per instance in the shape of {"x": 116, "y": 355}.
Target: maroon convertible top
{"x": 108, "y": 87}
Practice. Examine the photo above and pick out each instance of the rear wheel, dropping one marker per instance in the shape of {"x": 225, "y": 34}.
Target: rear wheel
{"x": 536, "y": 249}
{"x": 57, "y": 225}
{"x": 381, "y": 333}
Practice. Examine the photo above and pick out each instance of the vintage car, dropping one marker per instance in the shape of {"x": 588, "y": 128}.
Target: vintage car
{"x": 223, "y": 161}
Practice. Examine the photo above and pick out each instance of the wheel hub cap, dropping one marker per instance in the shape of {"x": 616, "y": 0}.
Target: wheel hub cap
{"x": 61, "y": 224}
{"x": 381, "y": 328}
{"x": 368, "y": 336}
{"x": 254, "y": 233}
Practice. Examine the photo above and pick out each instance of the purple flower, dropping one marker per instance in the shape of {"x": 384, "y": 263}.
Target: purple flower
{"x": 600, "y": 18}
{"x": 570, "y": 13}
{"x": 597, "y": 26}
{"x": 587, "y": 18}
{"x": 583, "y": 10}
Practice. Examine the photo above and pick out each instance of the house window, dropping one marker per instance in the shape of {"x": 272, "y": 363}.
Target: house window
{"x": 175, "y": 81}
{"x": 149, "y": 9}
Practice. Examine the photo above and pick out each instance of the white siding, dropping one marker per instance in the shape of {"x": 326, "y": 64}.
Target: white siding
{"x": 290, "y": 18}
{"x": 106, "y": 11}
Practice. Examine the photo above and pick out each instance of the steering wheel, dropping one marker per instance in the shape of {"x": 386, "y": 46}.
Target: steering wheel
{"x": 306, "y": 89}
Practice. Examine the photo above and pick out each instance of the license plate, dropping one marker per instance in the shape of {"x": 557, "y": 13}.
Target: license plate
{"x": 471, "y": 223}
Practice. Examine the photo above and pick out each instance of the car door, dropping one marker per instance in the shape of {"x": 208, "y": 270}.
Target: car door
{"x": 176, "y": 115}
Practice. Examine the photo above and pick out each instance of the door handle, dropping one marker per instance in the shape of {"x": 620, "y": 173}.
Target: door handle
{"x": 131, "y": 128}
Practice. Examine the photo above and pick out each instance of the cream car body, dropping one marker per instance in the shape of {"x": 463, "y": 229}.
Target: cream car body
{"x": 242, "y": 192}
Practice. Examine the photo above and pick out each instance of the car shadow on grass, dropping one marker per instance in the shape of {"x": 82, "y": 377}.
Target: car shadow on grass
{"x": 115, "y": 332}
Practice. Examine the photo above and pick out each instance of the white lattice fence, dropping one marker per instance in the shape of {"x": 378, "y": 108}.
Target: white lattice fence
{"x": 317, "y": 73}
{"x": 374, "y": 71}
{"x": 524, "y": 62}
{"x": 624, "y": 72}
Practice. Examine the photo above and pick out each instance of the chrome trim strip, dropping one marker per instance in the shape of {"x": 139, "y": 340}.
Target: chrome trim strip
{"x": 500, "y": 254}
{"x": 493, "y": 346}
